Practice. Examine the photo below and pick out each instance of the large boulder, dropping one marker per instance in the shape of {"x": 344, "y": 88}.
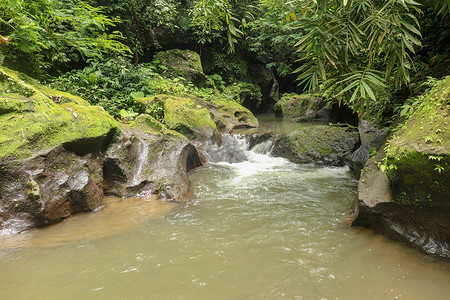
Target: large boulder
{"x": 403, "y": 192}
{"x": 150, "y": 159}
{"x": 229, "y": 115}
{"x": 48, "y": 187}
{"x": 50, "y": 164}
{"x": 418, "y": 157}
{"x": 320, "y": 144}
{"x": 181, "y": 114}
{"x": 31, "y": 121}
{"x": 304, "y": 107}
{"x": 177, "y": 63}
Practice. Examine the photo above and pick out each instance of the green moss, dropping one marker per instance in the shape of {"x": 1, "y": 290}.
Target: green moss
{"x": 184, "y": 116}
{"x": 416, "y": 178}
{"x": 14, "y": 103}
{"x": 181, "y": 114}
{"x": 33, "y": 190}
{"x": 30, "y": 124}
{"x": 62, "y": 97}
{"x": 234, "y": 110}
{"x": 148, "y": 124}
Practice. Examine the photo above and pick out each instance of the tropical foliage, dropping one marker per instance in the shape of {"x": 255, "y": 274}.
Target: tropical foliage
{"x": 362, "y": 53}
{"x": 47, "y": 34}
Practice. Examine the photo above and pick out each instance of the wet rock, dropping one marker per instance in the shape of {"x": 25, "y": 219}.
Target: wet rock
{"x": 49, "y": 187}
{"x": 320, "y": 144}
{"x": 258, "y": 138}
{"x": 427, "y": 229}
{"x": 150, "y": 161}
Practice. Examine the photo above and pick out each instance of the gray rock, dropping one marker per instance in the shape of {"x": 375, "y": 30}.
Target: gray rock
{"x": 144, "y": 163}
{"x": 358, "y": 159}
{"x": 426, "y": 229}
{"x": 48, "y": 187}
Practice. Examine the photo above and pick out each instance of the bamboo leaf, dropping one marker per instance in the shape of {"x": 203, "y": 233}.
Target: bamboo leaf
{"x": 362, "y": 90}
{"x": 355, "y": 94}
{"x": 410, "y": 27}
{"x": 369, "y": 90}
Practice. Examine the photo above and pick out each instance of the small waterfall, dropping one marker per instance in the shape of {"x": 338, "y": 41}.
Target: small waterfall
{"x": 263, "y": 148}
{"x": 141, "y": 161}
{"x": 232, "y": 150}
{"x": 235, "y": 149}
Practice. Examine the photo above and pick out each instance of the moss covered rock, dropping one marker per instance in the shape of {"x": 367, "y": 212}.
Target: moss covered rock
{"x": 181, "y": 63}
{"x": 12, "y": 82}
{"x": 195, "y": 118}
{"x": 229, "y": 115}
{"x": 418, "y": 157}
{"x": 304, "y": 107}
{"x": 404, "y": 190}
{"x": 318, "y": 144}
{"x": 31, "y": 121}
{"x": 181, "y": 114}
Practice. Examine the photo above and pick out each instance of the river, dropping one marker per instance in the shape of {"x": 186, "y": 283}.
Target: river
{"x": 258, "y": 227}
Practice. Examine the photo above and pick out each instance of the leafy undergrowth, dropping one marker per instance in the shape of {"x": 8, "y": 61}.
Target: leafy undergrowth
{"x": 115, "y": 84}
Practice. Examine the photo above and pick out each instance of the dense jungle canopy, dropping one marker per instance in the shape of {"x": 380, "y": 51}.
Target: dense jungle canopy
{"x": 369, "y": 55}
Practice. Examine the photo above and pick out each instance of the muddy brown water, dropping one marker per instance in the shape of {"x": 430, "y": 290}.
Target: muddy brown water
{"x": 262, "y": 228}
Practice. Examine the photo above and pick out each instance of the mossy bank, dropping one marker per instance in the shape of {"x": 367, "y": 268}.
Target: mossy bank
{"x": 404, "y": 189}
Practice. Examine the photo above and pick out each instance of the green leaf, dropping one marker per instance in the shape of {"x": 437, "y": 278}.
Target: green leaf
{"x": 135, "y": 95}
{"x": 369, "y": 91}
{"x": 410, "y": 27}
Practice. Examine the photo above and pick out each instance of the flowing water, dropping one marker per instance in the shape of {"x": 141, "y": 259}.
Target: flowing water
{"x": 258, "y": 228}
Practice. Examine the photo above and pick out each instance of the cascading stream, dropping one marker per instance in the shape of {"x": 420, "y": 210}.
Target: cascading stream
{"x": 259, "y": 227}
